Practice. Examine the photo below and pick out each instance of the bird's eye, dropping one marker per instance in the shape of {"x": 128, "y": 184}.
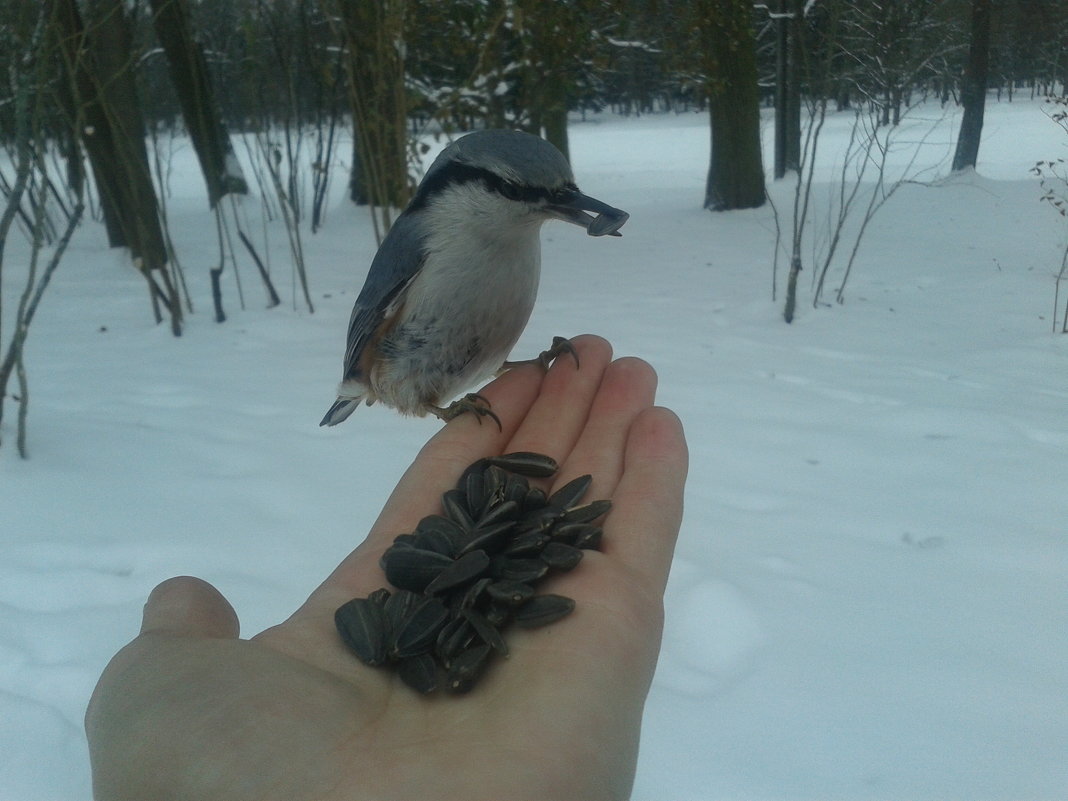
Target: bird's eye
{"x": 510, "y": 190}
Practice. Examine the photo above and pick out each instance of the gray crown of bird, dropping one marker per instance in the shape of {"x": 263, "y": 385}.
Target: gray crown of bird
{"x": 454, "y": 282}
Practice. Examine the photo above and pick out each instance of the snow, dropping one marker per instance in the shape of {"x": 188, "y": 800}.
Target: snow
{"x": 869, "y": 594}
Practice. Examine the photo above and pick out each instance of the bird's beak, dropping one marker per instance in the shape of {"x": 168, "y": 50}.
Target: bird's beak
{"x": 607, "y": 222}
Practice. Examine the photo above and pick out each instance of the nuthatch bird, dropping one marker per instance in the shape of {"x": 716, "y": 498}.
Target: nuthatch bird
{"x": 453, "y": 283}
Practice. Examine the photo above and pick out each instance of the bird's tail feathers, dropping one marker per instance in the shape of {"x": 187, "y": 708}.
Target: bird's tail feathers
{"x": 340, "y": 411}
{"x": 350, "y": 394}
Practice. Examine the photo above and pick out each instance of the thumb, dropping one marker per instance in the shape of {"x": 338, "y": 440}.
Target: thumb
{"x": 190, "y": 607}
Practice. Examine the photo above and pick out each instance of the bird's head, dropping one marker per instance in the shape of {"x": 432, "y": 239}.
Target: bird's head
{"x": 510, "y": 177}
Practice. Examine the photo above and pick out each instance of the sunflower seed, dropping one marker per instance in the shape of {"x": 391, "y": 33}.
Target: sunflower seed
{"x": 477, "y": 466}
{"x": 510, "y": 593}
{"x": 528, "y": 544}
{"x": 438, "y": 533}
{"x": 590, "y": 539}
{"x": 571, "y": 493}
{"x": 464, "y": 570}
{"x": 536, "y": 499}
{"x": 454, "y": 637}
{"x": 466, "y": 667}
{"x": 542, "y": 610}
{"x": 388, "y": 553}
{"x": 400, "y": 542}
{"x": 420, "y": 672}
{"x": 420, "y": 630}
{"x": 474, "y": 592}
{"x": 474, "y": 486}
{"x": 495, "y": 481}
{"x": 490, "y": 539}
{"x": 454, "y": 502}
{"x": 413, "y": 568}
{"x": 539, "y": 519}
{"x": 515, "y": 489}
{"x": 498, "y": 614}
{"x": 379, "y": 596}
{"x": 362, "y": 625}
{"x": 486, "y": 631}
{"x": 587, "y": 513}
{"x": 526, "y": 571}
{"x": 506, "y": 511}
{"x": 439, "y": 524}
{"x": 437, "y": 542}
{"x": 532, "y": 465}
{"x": 569, "y": 532}
{"x": 397, "y": 608}
{"x": 560, "y": 556}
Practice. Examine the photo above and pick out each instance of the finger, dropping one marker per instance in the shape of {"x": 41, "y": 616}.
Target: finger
{"x": 627, "y": 388}
{"x": 189, "y": 607}
{"x": 647, "y": 503}
{"x": 557, "y": 417}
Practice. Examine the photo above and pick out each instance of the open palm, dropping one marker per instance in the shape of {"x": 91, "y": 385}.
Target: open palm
{"x": 189, "y": 711}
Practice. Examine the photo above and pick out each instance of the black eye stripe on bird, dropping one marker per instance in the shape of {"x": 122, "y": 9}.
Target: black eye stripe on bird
{"x": 453, "y": 284}
{"x": 456, "y": 174}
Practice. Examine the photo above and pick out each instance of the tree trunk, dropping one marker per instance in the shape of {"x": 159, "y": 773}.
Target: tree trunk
{"x": 192, "y": 84}
{"x": 736, "y": 172}
{"x": 98, "y": 60}
{"x": 789, "y": 15}
{"x": 111, "y": 49}
{"x": 794, "y": 68}
{"x": 555, "y": 123}
{"x": 782, "y": 39}
{"x": 546, "y": 37}
{"x": 973, "y": 89}
{"x": 78, "y": 96}
{"x": 358, "y": 190}
{"x": 373, "y": 35}
{"x": 554, "y": 114}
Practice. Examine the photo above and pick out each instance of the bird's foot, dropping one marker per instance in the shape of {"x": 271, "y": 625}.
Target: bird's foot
{"x": 472, "y": 402}
{"x": 546, "y": 357}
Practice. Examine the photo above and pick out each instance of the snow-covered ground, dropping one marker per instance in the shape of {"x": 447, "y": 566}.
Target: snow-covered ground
{"x": 870, "y": 595}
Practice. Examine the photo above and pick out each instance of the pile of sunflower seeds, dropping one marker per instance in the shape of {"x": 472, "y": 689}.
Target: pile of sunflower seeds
{"x": 464, "y": 576}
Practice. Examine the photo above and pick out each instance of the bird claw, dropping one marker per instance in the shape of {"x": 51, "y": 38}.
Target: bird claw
{"x": 472, "y": 402}
{"x": 546, "y": 357}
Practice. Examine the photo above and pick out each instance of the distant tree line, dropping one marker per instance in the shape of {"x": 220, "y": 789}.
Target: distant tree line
{"x": 515, "y": 62}
{"x": 458, "y": 64}
{"x": 388, "y": 70}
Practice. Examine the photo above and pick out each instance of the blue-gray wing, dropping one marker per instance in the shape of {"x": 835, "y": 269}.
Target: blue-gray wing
{"x": 399, "y": 259}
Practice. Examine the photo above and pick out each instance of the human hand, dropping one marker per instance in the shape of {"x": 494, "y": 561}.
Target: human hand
{"x": 189, "y": 711}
